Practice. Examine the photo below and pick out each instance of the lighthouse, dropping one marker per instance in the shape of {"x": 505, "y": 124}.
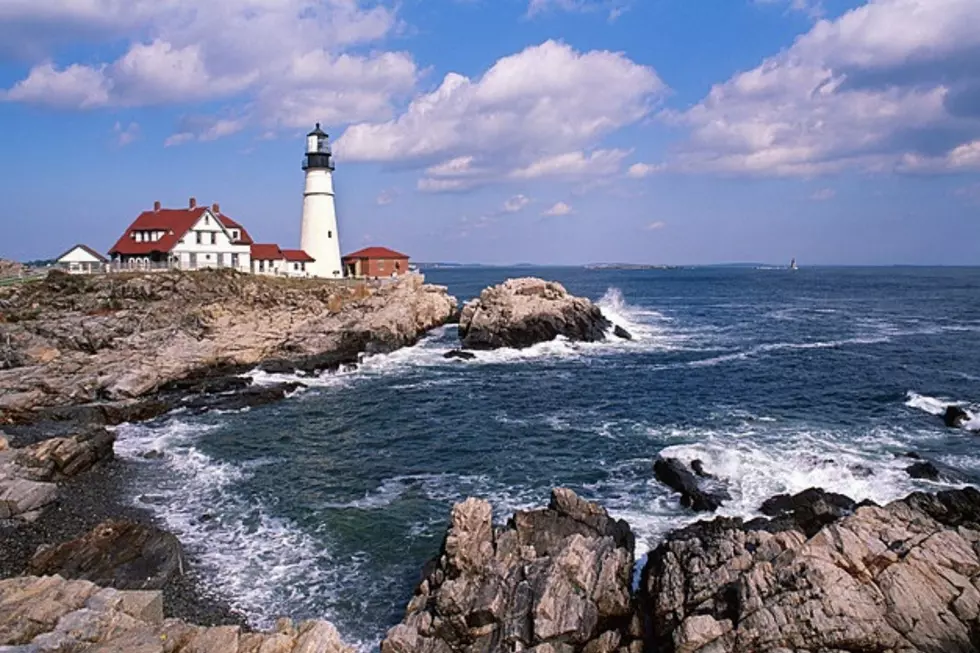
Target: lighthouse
{"x": 319, "y": 236}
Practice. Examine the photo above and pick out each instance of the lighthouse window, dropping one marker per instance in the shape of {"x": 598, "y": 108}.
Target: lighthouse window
{"x": 329, "y": 234}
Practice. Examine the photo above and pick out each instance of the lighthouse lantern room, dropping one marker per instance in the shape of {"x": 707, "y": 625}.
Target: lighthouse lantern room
{"x": 319, "y": 237}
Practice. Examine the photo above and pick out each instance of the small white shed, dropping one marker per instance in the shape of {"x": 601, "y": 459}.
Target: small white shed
{"x": 82, "y": 259}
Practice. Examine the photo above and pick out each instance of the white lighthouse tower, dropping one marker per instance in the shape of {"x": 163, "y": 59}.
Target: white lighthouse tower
{"x": 319, "y": 236}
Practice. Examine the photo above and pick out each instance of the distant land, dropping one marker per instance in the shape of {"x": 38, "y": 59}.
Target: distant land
{"x": 628, "y": 266}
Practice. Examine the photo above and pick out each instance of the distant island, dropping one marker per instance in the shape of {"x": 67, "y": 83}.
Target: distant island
{"x": 628, "y": 266}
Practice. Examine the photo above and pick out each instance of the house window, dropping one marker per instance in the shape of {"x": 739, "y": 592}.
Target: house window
{"x": 235, "y": 234}
{"x": 234, "y": 260}
{"x": 302, "y": 266}
{"x": 214, "y": 237}
{"x": 207, "y": 257}
{"x": 207, "y": 220}
{"x": 198, "y": 233}
{"x": 295, "y": 266}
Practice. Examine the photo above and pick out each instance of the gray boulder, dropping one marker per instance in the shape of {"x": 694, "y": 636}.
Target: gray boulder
{"x": 120, "y": 554}
{"x": 902, "y": 577}
{"x": 553, "y": 580}
{"x": 522, "y": 312}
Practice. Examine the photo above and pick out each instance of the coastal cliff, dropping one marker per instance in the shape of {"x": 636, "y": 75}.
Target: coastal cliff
{"x": 107, "y": 341}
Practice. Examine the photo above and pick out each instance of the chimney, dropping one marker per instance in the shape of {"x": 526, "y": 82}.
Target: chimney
{"x": 193, "y": 203}
{"x": 215, "y": 208}
{"x": 156, "y": 206}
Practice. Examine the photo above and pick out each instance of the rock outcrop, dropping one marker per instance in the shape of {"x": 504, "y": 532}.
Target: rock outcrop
{"x": 120, "y": 554}
{"x": 553, "y": 581}
{"x": 97, "y": 347}
{"x": 54, "y": 615}
{"x": 955, "y": 417}
{"x": 522, "y": 312}
{"x": 694, "y": 494}
{"x": 29, "y": 476}
{"x": 902, "y": 577}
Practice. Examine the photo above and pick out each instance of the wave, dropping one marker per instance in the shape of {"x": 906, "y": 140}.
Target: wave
{"x": 258, "y": 562}
{"x": 781, "y": 346}
{"x": 938, "y": 405}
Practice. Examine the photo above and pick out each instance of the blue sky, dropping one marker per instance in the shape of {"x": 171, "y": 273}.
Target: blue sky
{"x": 497, "y": 131}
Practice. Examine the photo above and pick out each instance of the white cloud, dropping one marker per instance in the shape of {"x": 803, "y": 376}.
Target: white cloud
{"x": 268, "y": 56}
{"x": 823, "y": 194}
{"x": 516, "y": 203}
{"x": 75, "y": 86}
{"x": 884, "y": 84}
{"x": 812, "y": 8}
{"x": 656, "y": 226}
{"x": 573, "y": 164}
{"x": 430, "y": 185}
{"x": 561, "y": 208}
{"x": 205, "y": 128}
{"x": 615, "y": 8}
{"x": 529, "y": 108}
{"x": 125, "y": 135}
{"x": 641, "y": 170}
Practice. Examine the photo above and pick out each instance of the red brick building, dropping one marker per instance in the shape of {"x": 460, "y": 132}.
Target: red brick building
{"x": 375, "y": 262}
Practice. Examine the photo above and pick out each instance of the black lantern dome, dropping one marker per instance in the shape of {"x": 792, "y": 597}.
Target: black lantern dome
{"x": 318, "y": 154}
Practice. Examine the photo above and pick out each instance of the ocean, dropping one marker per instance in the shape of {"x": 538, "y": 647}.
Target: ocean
{"x": 329, "y": 503}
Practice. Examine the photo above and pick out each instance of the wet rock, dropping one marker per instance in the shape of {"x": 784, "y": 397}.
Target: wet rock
{"x": 924, "y": 470}
{"x": 675, "y": 475}
{"x": 620, "y": 332}
{"x": 955, "y": 417}
{"x": 807, "y": 511}
{"x": 250, "y": 397}
{"x": 459, "y": 354}
{"x": 556, "y": 579}
{"x": 697, "y": 466}
{"x": 876, "y": 580}
{"x": 522, "y": 312}
{"x": 51, "y": 614}
{"x": 56, "y": 459}
{"x": 119, "y": 554}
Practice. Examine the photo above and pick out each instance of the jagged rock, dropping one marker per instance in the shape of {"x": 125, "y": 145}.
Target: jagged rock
{"x": 59, "y": 458}
{"x": 620, "y": 332}
{"x": 522, "y": 312}
{"x": 697, "y": 466}
{"x": 551, "y": 580}
{"x": 120, "y": 554}
{"x": 675, "y": 475}
{"x": 122, "y": 338}
{"x": 54, "y": 615}
{"x": 459, "y": 354}
{"x": 901, "y": 577}
{"x": 808, "y": 511}
{"x": 955, "y": 417}
{"x": 249, "y": 397}
{"x": 924, "y": 470}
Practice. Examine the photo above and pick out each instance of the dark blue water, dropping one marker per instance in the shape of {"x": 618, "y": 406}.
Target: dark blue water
{"x": 328, "y": 504}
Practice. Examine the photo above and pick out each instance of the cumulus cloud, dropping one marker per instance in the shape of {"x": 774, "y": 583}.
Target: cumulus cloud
{"x": 531, "y": 114}
{"x": 560, "y": 208}
{"x": 267, "y": 56}
{"x": 890, "y": 85}
{"x": 641, "y": 170}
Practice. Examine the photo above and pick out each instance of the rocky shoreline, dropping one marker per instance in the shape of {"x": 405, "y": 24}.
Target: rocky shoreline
{"x": 819, "y": 573}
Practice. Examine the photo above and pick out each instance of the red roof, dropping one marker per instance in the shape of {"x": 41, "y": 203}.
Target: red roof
{"x": 266, "y": 252}
{"x": 297, "y": 255}
{"x": 376, "y": 252}
{"x": 244, "y": 238}
{"x": 174, "y": 223}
